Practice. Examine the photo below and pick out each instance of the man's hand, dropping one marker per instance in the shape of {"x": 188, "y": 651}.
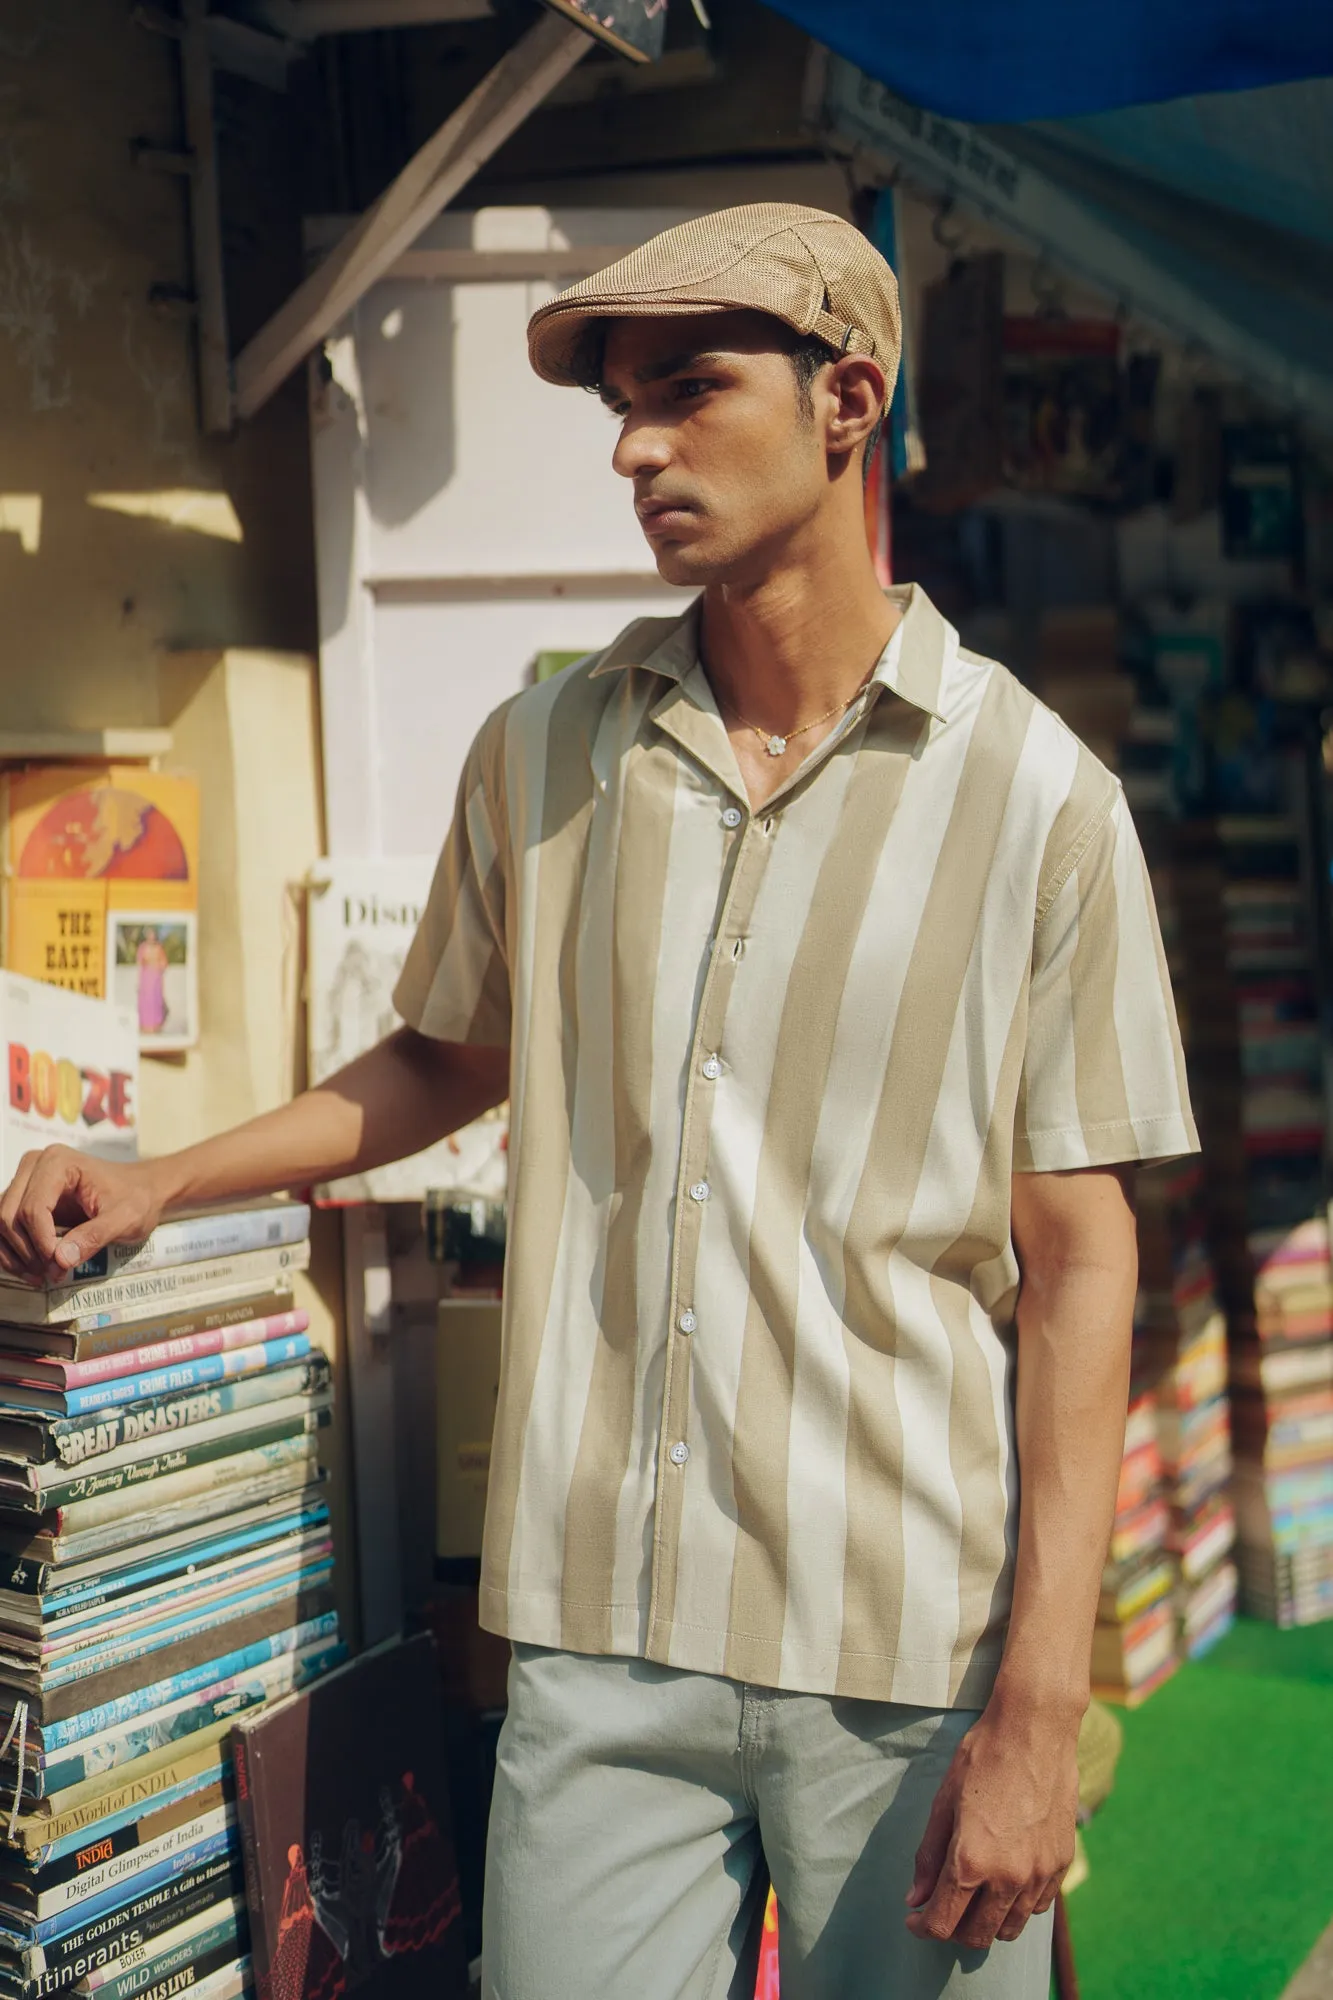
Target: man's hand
{"x": 1000, "y": 1834}
{"x": 94, "y": 1202}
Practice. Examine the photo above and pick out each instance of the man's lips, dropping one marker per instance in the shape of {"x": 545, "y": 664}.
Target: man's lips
{"x": 662, "y": 517}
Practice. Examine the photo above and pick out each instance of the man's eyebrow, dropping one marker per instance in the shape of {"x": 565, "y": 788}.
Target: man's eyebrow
{"x": 658, "y": 371}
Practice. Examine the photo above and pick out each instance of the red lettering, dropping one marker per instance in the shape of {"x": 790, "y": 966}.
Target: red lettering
{"x": 20, "y": 1081}
{"x": 94, "y": 1104}
{"x": 122, "y": 1111}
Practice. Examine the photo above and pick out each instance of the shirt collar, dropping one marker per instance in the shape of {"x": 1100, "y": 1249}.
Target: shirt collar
{"x": 912, "y": 664}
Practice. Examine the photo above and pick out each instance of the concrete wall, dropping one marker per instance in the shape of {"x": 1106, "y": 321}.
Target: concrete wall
{"x": 121, "y": 532}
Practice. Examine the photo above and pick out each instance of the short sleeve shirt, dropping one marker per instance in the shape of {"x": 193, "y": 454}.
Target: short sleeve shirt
{"x": 772, "y": 1073}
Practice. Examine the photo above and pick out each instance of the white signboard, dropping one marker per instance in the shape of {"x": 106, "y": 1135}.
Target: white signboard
{"x": 71, "y": 1073}
{"x": 362, "y": 916}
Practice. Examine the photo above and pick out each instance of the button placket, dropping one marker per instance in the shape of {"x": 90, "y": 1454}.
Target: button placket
{"x": 749, "y": 860}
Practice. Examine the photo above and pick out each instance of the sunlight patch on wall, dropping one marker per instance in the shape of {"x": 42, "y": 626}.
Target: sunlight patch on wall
{"x": 21, "y": 515}
{"x": 188, "y": 507}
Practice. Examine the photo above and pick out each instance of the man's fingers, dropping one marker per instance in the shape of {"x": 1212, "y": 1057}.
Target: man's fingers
{"x": 940, "y": 1915}
{"x": 14, "y": 1238}
{"x": 984, "y": 1917}
{"x": 111, "y": 1225}
{"x": 55, "y": 1174}
{"x": 933, "y": 1851}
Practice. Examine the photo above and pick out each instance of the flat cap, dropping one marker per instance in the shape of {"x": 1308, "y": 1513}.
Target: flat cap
{"x": 806, "y": 267}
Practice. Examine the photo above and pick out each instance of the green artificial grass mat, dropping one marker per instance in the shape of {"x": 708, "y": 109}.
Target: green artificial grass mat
{"x": 1210, "y": 1874}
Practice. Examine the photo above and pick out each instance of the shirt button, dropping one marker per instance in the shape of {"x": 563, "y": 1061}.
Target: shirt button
{"x": 731, "y": 816}
{"x": 700, "y": 1191}
{"x": 678, "y": 1454}
{"x": 687, "y": 1321}
{"x": 712, "y": 1069}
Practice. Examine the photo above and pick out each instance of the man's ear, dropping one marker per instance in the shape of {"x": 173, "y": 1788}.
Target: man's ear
{"x": 856, "y": 386}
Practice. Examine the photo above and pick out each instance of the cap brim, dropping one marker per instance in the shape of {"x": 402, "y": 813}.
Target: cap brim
{"x": 557, "y": 334}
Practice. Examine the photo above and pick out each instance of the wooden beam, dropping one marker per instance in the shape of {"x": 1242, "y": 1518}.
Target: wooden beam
{"x": 305, "y": 19}
{"x": 211, "y": 337}
{"x": 463, "y": 144}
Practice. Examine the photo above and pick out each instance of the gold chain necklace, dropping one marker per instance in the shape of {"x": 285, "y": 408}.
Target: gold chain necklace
{"x": 775, "y": 744}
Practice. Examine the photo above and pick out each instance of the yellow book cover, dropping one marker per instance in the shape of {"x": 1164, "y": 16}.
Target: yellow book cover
{"x": 102, "y": 889}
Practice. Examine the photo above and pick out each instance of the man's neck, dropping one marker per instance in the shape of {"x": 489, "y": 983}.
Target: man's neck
{"x": 782, "y": 649}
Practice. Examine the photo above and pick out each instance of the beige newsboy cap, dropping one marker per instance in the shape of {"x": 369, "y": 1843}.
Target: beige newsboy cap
{"x": 808, "y": 268}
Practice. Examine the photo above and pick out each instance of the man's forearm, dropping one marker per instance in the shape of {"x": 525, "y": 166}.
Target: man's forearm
{"x": 1075, "y": 1318}
{"x": 401, "y": 1096}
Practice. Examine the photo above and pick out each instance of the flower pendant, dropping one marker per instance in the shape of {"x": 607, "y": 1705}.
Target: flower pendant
{"x": 776, "y": 745}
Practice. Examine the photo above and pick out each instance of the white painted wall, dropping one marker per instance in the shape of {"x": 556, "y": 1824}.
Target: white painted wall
{"x": 467, "y": 518}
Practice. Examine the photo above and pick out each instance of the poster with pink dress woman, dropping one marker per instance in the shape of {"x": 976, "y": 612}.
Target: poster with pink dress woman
{"x": 151, "y": 961}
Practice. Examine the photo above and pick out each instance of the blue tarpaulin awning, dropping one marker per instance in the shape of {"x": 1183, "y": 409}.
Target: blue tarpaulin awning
{"x": 1000, "y": 60}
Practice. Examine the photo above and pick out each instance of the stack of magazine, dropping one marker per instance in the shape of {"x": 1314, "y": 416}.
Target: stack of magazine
{"x": 165, "y": 1566}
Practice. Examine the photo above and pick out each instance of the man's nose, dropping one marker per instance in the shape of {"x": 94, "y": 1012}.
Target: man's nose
{"x": 641, "y": 449}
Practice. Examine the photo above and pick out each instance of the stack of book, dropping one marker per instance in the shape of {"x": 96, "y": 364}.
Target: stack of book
{"x": 1255, "y": 1068}
{"x": 1180, "y": 1352}
{"x": 1134, "y": 1644}
{"x": 165, "y": 1566}
{"x": 1282, "y": 1376}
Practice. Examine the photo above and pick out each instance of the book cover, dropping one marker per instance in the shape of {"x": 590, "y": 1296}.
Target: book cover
{"x": 102, "y": 886}
{"x": 361, "y": 919}
{"x": 72, "y": 1074}
{"x": 344, "y": 1816}
{"x": 134, "y": 1356}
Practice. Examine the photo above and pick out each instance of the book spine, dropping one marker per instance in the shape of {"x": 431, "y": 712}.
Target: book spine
{"x": 186, "y": 1375}
{"x": 79, "y": 1439}
{"x": 115, "y": 1872}
{"x": 56, "y": 1735}
{"x": 190, "y": 1940}
{"x": 94, "y": 1334}
{"x": 56, "y": 1966}
{"x": 285, "y": 1477}
{"x": 108, "y": 1506}
{"x": 260, "y": 1938}
{"x": 250, "y": 1332}
{"x": 161, "y": 1612}
{"x": 221, "y": 1846}
{"x": 65, "y": 1302}
{"x": 197, "y": 1239}
{"x": 235, "y": 1698}
{"x": 172, "y": 1972}
{"x": 274, "y": 1527}
{"x": 71, "y": 1488}
{"x": 294, "y": 1586}
{"x": 124, "y": 1816}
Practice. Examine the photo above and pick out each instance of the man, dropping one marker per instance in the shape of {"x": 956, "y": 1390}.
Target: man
{"x": 820, "y": 965}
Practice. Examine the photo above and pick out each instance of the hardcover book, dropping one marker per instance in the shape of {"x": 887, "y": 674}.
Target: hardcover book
{"x": 344, "y": 1817}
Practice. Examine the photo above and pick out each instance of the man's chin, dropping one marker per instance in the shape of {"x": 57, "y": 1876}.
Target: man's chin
{"x": 685, "y": 563}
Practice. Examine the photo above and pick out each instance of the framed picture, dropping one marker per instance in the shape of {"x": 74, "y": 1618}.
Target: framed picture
{"x": 153, "y": 969}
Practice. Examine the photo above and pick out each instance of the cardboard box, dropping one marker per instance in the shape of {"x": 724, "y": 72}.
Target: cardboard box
{"x": 467, "y": 1386}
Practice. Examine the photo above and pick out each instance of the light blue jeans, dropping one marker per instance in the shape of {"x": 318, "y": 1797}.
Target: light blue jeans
{"x": 639, "y": 1812}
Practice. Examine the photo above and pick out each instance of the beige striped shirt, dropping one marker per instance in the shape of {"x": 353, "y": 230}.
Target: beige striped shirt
{"x": 772, "y": 1071}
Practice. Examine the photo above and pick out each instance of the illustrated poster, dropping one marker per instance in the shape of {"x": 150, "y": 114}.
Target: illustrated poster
{"x": 362, "y": 917}
{"x": 102, "y": 889}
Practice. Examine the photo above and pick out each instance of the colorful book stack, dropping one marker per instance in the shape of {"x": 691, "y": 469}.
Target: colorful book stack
{"x": 1134, "y": 1644}
{"x": 1255, "y": 1067}
{"x": 165, "y": 1566}
{"x": 1282, "y": 1387}
{"x": 1180, "y": 1351}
